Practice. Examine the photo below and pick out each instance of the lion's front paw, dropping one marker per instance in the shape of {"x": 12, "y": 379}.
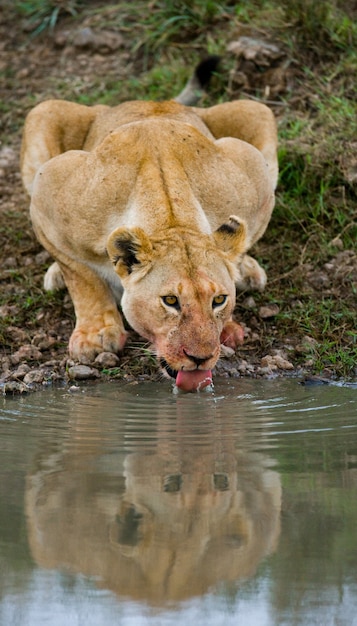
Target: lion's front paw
{"x": 86, "y": 343}
{"x": 250, "y": 275}
{"x": 232, "y": 335}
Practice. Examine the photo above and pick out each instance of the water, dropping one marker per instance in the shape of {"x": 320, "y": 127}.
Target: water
{"x": 132, "y": 506}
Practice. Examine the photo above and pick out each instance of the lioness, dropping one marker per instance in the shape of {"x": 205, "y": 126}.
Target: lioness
{"x": 156, "y": 204}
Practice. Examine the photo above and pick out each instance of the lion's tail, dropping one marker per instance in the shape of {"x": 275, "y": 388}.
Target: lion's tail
{"x": 195, "y": 87}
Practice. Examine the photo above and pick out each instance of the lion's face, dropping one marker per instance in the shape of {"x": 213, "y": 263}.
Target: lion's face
{"x": 179, "y": 291}
{"x": 182, "y": 315}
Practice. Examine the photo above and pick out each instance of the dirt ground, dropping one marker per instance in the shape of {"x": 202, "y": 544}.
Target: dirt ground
{"x": 36, "y": 326}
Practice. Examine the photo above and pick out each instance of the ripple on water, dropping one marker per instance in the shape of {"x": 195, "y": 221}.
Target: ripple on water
{"x": 254, "y": 413}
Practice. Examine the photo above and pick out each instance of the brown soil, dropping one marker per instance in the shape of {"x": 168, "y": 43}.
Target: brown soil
{"x": 36, "y": 326}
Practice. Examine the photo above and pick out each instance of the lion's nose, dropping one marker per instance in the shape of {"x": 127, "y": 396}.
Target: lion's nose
{"x": 198, "y": 360}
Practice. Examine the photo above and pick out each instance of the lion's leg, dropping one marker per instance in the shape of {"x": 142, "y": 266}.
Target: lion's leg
{"x": 249, "y": 121}
{"x": 99, "y": 326}
{"x": 251, "y": 276}
{"x": 255, "y": 124}
{"x": 51, "y": 128}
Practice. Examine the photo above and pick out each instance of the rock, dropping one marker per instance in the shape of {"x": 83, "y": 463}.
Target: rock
{"x": 17, "y": 334}
{"x": 270, "y": 310}
{"x": 337, "y": 242}
{"x": 109, "y": 41}
{"x": 318, "y": 279}
{"x": 306, "y": 346}
{"x": 263, "y": 53}
{"x": 82, "y": 372}
{"x": 266, "y": 371}
{"x": 84, "y": 38}
{"x": 283, "y": 364}
{"x": 103, "y": 41}
{"x": 21, "y": 372}
{"x": 226, "y": 351}
{"x": 296, "y": 304}
{"x": 42, "y": 257}
{"x": 5, "y": 366}
{"x": 249, "y": 303}
{"x": 14, "y": 387}
{"x": 74, "y": 389}
{"x": 43, "y": 341}
{"x": 8, "y": 157}
{"x": 26, "y": 353}
{"x": 34, "y": 376}
{"x": 10, "y": 262}
{"x": 245, "y": 368}
{"x": 106, "y": 360}
{"x": 268, "y": 362}
{"x": 274, "y": 362}
{"x": 61, "y": 38}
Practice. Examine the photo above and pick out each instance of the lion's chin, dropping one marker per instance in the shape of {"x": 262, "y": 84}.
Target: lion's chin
{"x": 189, "y": 380}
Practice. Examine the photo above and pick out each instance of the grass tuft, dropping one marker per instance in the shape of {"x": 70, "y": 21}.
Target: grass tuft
{"x": 43, "y": 15}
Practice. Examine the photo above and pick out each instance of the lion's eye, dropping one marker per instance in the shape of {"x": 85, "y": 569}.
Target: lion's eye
{"x": 172, "y": 301}
{"x": 219, "y": 300}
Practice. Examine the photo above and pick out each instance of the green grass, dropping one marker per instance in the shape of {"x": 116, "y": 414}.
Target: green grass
{"x": 45, "y": 14}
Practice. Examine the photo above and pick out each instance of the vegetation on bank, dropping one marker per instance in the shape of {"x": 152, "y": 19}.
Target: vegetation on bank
{"x": 310, "y": 83}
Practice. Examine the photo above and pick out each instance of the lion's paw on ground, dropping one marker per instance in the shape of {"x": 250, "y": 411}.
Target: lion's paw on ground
{"x": 232, "y": 335}
{"x": 86, "y": 344}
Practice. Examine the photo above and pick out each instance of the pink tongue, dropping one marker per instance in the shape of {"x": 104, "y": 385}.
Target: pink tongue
{"x": 194, "y": 380}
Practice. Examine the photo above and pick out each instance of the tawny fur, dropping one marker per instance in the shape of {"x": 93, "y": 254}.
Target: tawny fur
{"x": 154, "y": 199}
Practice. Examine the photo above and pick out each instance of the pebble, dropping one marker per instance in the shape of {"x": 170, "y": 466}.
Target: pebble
{"x": 34, "y": 376}
{"x": 20, "y": 372}
{"x": 74, "y": 389}
{"x": 13, "y": 386}
{"x": 27, "y": 352}
{"x": 226, "y": 351}
{"x": 8, "y": 157}
{"x": 42, "y": 257}
{"x": 17, "y": 334}
{"x": 270, "y": 310}
{"x": 337, "y": 242}
{"x": 306, "y": 346}
{"x": 106, "y": 360}
{"x": 249, "y": 303}
{"x": 44, "y": 341}
{"x": 276, "y": 362}
{"x": 103, "y": 41}
{"x": 82, "y": 372}
{"x": 10, "y": 262}
{"x": 318, "y": 279}
{"x": 245, "y": 367}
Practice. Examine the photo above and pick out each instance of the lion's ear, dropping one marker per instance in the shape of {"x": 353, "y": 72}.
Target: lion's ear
{"x": 232, "y": 237}
{"x": 129, "y": 249}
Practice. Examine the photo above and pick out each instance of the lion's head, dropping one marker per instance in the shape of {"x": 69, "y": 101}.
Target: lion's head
{"x": 179, "y": 293}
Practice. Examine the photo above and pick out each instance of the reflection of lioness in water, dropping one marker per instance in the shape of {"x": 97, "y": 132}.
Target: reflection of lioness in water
{"x": 162, "y": 200}
{"x": 171, "y": 525}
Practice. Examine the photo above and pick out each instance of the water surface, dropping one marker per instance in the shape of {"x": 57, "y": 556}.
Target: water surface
{"x": 130, "y": 505}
